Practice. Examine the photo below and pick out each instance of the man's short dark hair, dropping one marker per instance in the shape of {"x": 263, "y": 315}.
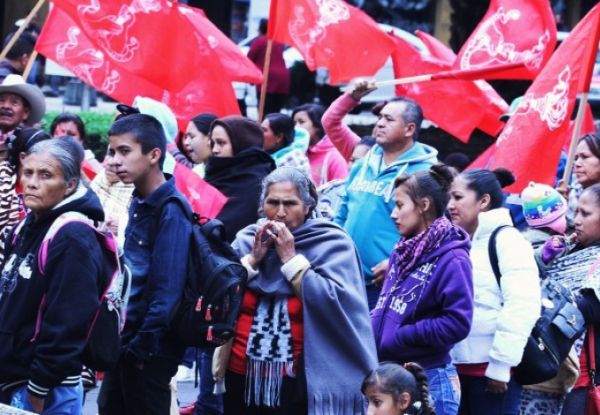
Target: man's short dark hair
{"x": 412, "y": 113}
{"x": 145, "y": 129}
{"x": 23, "y": 46}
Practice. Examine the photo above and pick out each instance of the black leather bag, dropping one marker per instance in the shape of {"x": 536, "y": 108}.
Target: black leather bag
{"x": 554, "y": 333}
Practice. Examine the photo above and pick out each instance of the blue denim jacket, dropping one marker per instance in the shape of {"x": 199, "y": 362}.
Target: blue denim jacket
{"x": 158, "y": 270}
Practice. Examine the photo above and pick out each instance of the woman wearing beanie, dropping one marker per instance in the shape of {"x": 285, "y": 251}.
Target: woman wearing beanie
{"x": 197, "y": 142}
{"x": 237, "y": 166}
{"x": 545, "y": 211}
{"x": 426, "y": 303}
{"x": 504, "y": 313}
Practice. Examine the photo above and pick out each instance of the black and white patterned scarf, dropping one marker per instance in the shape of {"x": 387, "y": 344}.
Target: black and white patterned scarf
{"x": 269, "y": 352}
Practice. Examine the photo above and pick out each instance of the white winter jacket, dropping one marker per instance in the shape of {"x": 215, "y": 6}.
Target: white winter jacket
{"x": 502, "y": 318}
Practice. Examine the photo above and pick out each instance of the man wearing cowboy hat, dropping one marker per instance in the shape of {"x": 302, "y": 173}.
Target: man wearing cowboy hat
{"x": 20, "y": 103}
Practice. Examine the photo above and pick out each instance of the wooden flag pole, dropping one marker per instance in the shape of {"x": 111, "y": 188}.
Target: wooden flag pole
{"x": 400, "y": 81}
{"x": 30, "y": 63}
{"x": 21, "y": 29}
{"x": 263, "y": 88}
{"x": 583, "y": 99}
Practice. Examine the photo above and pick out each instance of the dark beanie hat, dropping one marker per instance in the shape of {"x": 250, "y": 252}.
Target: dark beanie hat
{"x": 243, "y": 132}
{"x": 203, "y": 122}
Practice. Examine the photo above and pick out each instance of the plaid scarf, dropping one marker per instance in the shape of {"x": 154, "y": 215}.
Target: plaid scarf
{"x": 408, "y": 252}
{"x": 269, "y": 351}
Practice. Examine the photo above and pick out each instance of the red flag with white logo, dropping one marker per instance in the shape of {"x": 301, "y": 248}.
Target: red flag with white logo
{"x": 204, "y": 198}
{"x": 456, "y": 106}
{"x": 330, "y": 34}
{"x": 531, "y": 142}
{"x": 496, "y": 106}
{"x": 113, "y": 46}
{"x": 512, "y": 31}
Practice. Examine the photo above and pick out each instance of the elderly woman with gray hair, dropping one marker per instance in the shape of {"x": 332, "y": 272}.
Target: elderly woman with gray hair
{"x": 45, "y": 316}
{"x": 303, "y": 341}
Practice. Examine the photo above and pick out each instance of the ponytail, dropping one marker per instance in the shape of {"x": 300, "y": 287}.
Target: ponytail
{"x": 425, "y": 407}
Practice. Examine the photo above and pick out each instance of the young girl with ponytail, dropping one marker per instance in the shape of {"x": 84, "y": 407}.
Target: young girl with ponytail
{"x": 426, "y": 303}
{"x": 392, "y": 389}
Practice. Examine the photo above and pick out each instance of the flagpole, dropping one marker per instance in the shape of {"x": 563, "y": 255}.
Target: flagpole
{"x": 21, "y": 29}
{"x": 263, "y": 88}
{"x": 30, "y": 63}
{"x": 400, "y": 81}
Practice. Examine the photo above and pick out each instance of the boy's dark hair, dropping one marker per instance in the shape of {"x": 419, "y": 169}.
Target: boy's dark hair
{"x": 282, "y": 124}
{"x": 69, "y": 117}
{"x": 433, "y": 185}
{"x": 145, "y": 129}
{"x": 393, "y": 379}
{"x": 23, "y": 46}
{"x": 484, "y": 182}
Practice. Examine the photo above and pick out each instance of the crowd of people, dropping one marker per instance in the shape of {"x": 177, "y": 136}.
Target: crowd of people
{"x": 370, "y": 285}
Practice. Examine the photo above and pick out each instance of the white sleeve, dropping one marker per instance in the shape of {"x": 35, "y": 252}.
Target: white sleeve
{"x": 521, "y": 296}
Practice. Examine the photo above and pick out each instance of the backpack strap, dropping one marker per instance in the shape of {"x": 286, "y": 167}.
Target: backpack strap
{"x": 493, "y": 252}
{"x": 158, "y": 214}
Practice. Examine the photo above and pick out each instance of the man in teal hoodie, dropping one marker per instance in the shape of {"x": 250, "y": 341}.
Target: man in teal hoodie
{"x": 366, "y": 207}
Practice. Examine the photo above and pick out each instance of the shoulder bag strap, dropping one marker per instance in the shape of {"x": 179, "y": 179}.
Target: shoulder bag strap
{"x": 493, "y": 252}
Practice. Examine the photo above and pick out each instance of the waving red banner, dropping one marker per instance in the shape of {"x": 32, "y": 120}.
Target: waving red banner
{"x": 531, "y": 142}
{"x": 512, "y": 31}
{"x": 114, "y": 48}
{"x": 331, "y": 34}
{"x": 456, "y": 106}
{"x": 496, "y": 106}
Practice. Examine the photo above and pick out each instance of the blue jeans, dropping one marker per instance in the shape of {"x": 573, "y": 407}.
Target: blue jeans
{"x": 62, "y": 400}
{"x": 476, "y": 400}
{"x": 444, "y": 388}
{"x": 208, "y": 403}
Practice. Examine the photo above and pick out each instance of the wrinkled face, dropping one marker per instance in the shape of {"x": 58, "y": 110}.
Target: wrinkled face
{"x": 13, "y": 111}
{"x": 382, "y": 403}
{"x": 271, "y": 142}
{"x": 196, "y": 144}
{"x": 283, "y": 204}
{"x": 586, "y": 166}
{"x": 390, "y": 129}
{"x": 407, "y": 215}
{"x": 587, "y": 219}
{"x": 67, "y": 128}
{"x": 127, "y": 160}
{"x": 359, "y": 152}
{"x": 464, "y": 207}
{"x": 221, "y": 142}
{"x": 301, "y": 119}
{"x": 43, "y": 183}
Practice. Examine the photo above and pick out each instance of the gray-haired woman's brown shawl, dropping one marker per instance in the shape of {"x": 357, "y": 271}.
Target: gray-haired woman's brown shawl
{"x": 339, "y": 348}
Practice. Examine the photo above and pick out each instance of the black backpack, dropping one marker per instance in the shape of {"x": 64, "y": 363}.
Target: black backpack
{"x": 559, "y": 326}
{"x": 214, "y": 288}
{"x": 103, "y": 346}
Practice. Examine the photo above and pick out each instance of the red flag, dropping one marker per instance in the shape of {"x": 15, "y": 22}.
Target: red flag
{"x": 236, "y": 65}
{"x": 106, "y": 54}
{"x": 496, "y": 106}
{"x": 512, "y": 31}
{"x": 531, "y": 142}
{"x": 456, "y": 106}
{"x": 331, "y": 34}
{"x": 205, "y": 199}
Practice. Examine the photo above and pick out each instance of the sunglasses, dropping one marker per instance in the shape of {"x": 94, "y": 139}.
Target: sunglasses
{"x": 125, "y": 110}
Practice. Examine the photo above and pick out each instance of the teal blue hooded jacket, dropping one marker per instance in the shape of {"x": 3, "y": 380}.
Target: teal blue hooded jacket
{"x": 366, "y": 207}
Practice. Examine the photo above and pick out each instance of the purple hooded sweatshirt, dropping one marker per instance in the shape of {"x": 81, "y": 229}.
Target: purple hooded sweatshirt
{"x": 430, "y": 311}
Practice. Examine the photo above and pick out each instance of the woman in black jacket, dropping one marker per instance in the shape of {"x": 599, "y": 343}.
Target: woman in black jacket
{"x": 236, "y": 168}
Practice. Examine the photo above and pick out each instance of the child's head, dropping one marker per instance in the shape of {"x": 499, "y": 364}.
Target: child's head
{"x": 136, "y": 146}
{"x": 392, "y": 389}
